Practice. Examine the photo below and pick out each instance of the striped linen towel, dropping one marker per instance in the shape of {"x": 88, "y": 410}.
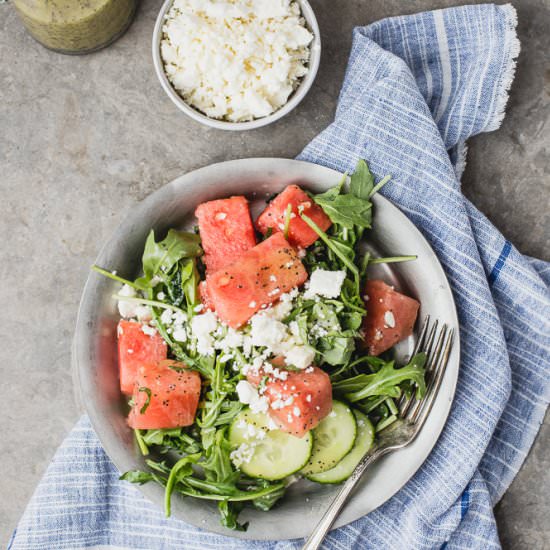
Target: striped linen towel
{"x": 416, "y": 88}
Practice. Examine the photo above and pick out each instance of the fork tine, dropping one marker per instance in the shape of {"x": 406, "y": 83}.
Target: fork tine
{"x": 432, "y": 362}
{"x": 426, "y": 404}
{"x": 423, "y": 332}
{"x": 405, "y": 403}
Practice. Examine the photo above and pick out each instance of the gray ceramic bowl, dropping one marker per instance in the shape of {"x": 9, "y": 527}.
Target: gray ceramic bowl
{"x": 95, "y": 348}
{"x": 294, "y": 99}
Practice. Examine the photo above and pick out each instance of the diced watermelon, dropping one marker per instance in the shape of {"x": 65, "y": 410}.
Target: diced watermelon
{"x": 136, "y": 348}
{"x": 164, "y": 397}
{"x": 226, "y": 231}
{"x": 300, "y": 234}
{"x": 257, "y": 279}
{"x": 390, "y": 317}
{"x": 300, "y": 402}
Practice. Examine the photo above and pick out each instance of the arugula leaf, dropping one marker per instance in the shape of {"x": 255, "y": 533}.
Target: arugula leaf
{"x": 190, "y": 280}
{"x": 391, "y": 260}
{"x": 347, "y": 210}
{"x": 217, "y": 465}
{"x": 379, "y": 185}
{"x": 182, "y": 468}
{"x": 136, "y": 476}
{"x": 338, "y": 350}
{"x": 113, "y": 276}
{"x": 333, "y": 192}
{"x": 157, "y": 437}
{"x": 265, "y": 503}
{"x": 361, "y": 181}
{"x": 384, "y": 382}
{"x": 159, "y": 258}
{"x": 140, "y": 441}
{"x": 229, "y": 512}
{"x": 331, "y": 244}
{"x": 147, "y": 401}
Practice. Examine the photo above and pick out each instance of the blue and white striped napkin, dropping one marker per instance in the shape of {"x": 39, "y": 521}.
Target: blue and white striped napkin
{"x": 416, "y": 89}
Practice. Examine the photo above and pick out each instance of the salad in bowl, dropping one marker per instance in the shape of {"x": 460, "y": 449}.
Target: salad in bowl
{"x": 255, "y": 352}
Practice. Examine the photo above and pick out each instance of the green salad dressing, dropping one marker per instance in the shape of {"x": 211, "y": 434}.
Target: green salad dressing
{"x": 76, "y": 26}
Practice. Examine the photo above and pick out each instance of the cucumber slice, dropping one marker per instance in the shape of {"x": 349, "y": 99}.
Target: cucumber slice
{"x": 268, "y": 454}
{"x": 333, "y": 439}
{"x": 344, "y": 468}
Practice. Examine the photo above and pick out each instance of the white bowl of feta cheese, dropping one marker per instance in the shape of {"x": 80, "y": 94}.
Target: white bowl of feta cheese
{"x": 236, "y": 64}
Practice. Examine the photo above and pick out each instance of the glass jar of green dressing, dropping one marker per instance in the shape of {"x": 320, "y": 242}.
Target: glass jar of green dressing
{"x": 76, "y": 26}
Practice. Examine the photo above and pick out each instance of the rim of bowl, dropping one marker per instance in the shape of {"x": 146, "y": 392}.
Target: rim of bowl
{"x": 295, "y": 98}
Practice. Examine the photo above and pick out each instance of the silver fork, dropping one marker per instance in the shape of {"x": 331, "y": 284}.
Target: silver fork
{"x": 413, "y": 413}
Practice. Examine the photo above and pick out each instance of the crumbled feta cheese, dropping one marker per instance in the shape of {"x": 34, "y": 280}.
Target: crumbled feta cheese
{"x": 126, "y": 308}
{"x": 252, "y": 304}
{"x": 235, "y": 60}
{"x": 150, "y": 331}
{"x": 220, "y": 216}
{"x": 180, "y": 334}
{"x": 249, "y": 396}
{"x": 300, "y": 357}
{"x": 143, "y": 313}
{"x": 251, "y": 431}
{"x": 202, "y": 327}
{"x": 233, "y": 339}
{"x": 296, "y": 412}
{"x": 166, "y": 317}
{"x": 161, "y": 295}
{"x": 267, "y": 332}
{"x": 179, "y": 317}
{"x": 273, "y": 278}
{"x": 389, "y": 319}
{"x": 325, "y": 283}
{"x": 242, "y": 454}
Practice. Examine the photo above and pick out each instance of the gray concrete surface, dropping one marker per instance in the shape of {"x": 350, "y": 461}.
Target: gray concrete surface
{"x": 83, "y": 139}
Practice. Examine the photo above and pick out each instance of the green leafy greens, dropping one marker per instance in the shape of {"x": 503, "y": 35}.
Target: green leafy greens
{"x": 195, "y": 461}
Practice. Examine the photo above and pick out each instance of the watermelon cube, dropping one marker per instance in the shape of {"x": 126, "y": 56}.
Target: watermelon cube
{"x": 136, "y": 348}
{"x": 300, "y": 401}
{"x": 300, "y": 235}
{"x": 166, "y": 395}
{"x": 226, "y": 231}
{"x": 390, "y": 317}
{"x": 256, "y": 280}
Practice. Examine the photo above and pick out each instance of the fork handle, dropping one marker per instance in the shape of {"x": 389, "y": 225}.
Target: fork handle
{"x": 316, "y": 538}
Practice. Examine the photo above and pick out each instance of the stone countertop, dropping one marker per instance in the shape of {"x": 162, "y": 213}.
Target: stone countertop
{"x": 85, "y": 138}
